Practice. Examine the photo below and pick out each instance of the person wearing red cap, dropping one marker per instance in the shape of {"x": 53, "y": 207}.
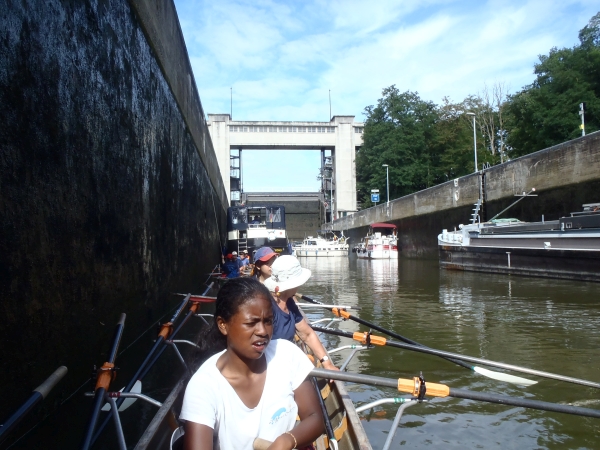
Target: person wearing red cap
{"x": 231, "y": 267}
{"x": 263, "y": 260}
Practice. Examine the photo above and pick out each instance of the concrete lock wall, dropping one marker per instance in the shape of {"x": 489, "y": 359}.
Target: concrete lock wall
{"x": 110, "y": 193}
{"x": 565, "y": 177}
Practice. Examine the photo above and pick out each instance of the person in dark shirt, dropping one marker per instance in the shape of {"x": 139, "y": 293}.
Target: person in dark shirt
{"x": 237, "y": 259}
{"x": 231, "y": 267}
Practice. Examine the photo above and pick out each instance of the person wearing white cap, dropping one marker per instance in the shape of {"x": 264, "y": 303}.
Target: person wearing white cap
{"x": 287, "y": 275}
{"x": 244, "y": 258}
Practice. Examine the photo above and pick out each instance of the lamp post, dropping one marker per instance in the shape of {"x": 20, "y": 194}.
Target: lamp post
{"x": 474, "y": 138}
{"x": 387, "y": 178}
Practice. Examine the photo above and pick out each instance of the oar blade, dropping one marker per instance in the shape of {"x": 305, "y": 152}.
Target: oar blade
{"x": 503, "y": 377}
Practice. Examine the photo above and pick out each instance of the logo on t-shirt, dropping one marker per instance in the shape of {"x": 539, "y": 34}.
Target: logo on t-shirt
{"x": 278, "y": 415}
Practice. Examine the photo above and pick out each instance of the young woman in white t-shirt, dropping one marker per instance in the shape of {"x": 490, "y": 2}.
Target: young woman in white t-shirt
{"x": 253, "y": 387}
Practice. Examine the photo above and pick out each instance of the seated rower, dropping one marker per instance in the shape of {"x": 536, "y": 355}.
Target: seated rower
{"x": 245, "y": 262}
{"x": 285, "y": 276}
{"x": 263, "y": 260}
{"x": 253, "y": 386}
{"x": 231, "y": 266}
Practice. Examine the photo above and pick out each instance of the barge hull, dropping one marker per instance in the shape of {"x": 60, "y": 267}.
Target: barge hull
{"x": 583, "y": 265}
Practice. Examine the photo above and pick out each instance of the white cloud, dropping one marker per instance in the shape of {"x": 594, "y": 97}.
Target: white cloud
{"x": 281, "y": 58}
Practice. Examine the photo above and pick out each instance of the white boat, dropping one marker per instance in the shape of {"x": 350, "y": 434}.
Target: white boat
{"x": 381, "y": 242}
{"x": 321, "y": 247}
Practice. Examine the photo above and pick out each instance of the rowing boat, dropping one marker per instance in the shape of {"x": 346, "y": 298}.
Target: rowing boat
{"x": 344, "y": 430}
{"x": 164, "y": 429}
{"x": 345, "y": 422}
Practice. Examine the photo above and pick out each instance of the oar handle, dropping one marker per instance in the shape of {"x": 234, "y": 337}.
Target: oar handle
{"x": 112, "y": 354}
{"x": 51, "y": 381}
{"x": 261, "y": 444}
{"x": 36, "y": 397}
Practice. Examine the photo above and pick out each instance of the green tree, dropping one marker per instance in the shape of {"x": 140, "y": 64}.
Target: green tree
{"x": 545, "y": 113}
{"x": 453, "y": 140}
{"x": 423, "y": 144}
{"x": 398, "y": 132}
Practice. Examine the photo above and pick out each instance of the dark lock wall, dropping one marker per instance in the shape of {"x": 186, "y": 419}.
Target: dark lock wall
{"x": 106, "y": 202}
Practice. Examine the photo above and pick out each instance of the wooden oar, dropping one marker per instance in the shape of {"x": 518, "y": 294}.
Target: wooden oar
{"x": 367, "y": 338}
{"x": 480, "y": 370}
{"x": 105, "y": 376}
{"x": 413, "y": 386}
{"x": 38, "y": 394}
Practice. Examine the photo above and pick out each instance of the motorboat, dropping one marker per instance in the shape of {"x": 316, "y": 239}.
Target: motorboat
{"x": 322, "y": 247}
{"x": 381, "y": 242}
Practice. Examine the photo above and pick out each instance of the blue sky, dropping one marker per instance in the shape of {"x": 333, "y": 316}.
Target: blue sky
{"x": 282, "y": 57}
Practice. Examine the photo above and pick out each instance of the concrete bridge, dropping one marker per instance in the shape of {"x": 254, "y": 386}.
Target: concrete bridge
{"x": 565, "y": 177}
{"x": 341, "y": 137}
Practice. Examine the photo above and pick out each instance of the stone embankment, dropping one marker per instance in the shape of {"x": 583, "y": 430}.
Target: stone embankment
{"x": 565, "y": 176}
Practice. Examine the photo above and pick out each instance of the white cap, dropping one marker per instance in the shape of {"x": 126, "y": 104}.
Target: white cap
{"x": 287, "y": 273}
{"x": 234, "y": 253}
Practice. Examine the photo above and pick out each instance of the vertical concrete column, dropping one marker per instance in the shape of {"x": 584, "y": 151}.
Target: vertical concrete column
{"x": 218, "y": 126}
{"x": 343, "y": 164}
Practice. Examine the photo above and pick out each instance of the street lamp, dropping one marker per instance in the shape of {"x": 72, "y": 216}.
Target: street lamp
{"x": 474, "y": 138}
{"x": 387, "y": 178}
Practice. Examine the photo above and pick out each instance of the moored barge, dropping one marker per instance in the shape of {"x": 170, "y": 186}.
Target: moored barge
{"x": 565, "y": 248}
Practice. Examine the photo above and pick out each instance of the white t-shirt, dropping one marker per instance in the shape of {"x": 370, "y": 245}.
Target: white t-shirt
{"x": 210, "y": 400}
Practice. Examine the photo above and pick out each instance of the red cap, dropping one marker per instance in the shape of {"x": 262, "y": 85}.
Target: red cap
{"x": 264, "y": 254}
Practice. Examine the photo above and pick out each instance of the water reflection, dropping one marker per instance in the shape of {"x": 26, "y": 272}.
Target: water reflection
{"x": 551, "y": 325}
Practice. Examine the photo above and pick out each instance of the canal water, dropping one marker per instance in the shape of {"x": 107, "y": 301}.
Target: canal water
{"x": 543, "y": 324}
